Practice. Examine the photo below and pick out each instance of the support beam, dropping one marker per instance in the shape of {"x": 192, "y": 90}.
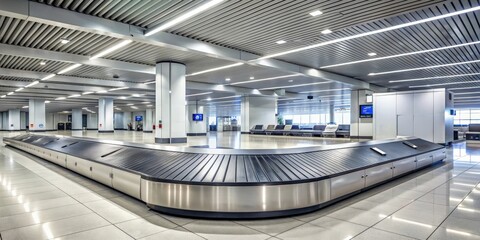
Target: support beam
{"x": 50, "y": 15}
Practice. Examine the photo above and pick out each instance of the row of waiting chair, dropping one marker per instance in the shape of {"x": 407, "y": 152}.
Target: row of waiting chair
{"x": 333, "y": 130}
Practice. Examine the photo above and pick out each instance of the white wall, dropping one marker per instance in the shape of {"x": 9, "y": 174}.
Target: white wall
{"x": 196, "y": 127}
{"x": 14, "y": 119}
{"x": 23, "y": 120}
{"x": 49, "y": 121}
{"x": 92, "y": 121}
{"x": 5, "y": 125}
{"x": 359, "y": 127}
{"x": 118, "y": 120}
{"x": 423, "y": 114}
{"x": 127, "y": 118}
{"x": 257, "y": 110}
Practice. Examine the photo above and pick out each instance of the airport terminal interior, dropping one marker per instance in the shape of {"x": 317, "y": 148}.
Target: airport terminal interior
{"x": 239, "y": 119}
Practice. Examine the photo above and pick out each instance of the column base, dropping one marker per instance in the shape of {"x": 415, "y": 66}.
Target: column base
{"x": 151, "y": 131}
{"x": 245, "y": 132}
{"x": 105, "y": 131}
{"x": 92, "y": 128}
{"x": 77, "y": 129}
{"x": 37, "y": 130}
{"x": 196, "y": 134}
{"x": 170, "y": 140}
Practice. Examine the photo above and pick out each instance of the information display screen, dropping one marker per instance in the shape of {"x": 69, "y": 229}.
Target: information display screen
{"x": 138, "y": 118}
{"x": 197, "y": 117}
{"x": 366, "y": 111}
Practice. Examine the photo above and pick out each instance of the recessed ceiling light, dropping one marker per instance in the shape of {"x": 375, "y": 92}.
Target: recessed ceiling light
{"x": 32, "y": 84}
{"x": 266, "y": 79}
{"x": 3, "y": 96}
{"x": 47, "y": 101}
{"x": 187, "y": 15}
{"x": 25, "y": 107}
{"x": 75, "y": 95}
{"x": 111, "y": 49}
{"x": 215, "y": 69}
{"x": 422, "y": 68}
{"x": 64, "y": 41}
{"x": 130, "y": 104}
{"x": 70, "y": 68}
{"x": 10, "y": 93}
{"x": 20, "y": 89}
{"x": 316, "y": 13}
{"x": 372, "y": 54}
{"x": 280, "y": 42}
{"x": 86, "y": 93}
{"x": 251, "y": 78}
{"x": 399, "y": 26}
{"x": 227, "y": 79}
{"x": 134, "y": 107}
{"x": 42, "y": 63}
{"x": 326, "y": 31}
{"x": 102, "y": 91}
{"x": 48, "y": 77}
{"x": 290, "y": 80}
{"x": 60, "y": 98}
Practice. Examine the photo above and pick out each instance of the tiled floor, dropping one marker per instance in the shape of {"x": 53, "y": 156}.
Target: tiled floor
{"x": 39, "y": 200}
{"x": 215, "y": 139}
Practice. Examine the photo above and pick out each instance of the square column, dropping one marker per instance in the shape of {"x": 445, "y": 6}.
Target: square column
{"x": 14, "y": 119}
{"x": 92, "y": 121}
{"x": 5, "y": 121}
{"x": 148, "y": 121}
{"x": 105, "y": 115}
{"x": 77, "y": 120}
{"x": 36, "y": 115}
{"x": 170, "y": 89}
{"x": 196, "y": 128}
{"x": 257, "y": 110}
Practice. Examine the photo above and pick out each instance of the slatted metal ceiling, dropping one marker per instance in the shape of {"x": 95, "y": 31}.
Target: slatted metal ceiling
{"x": 30, "y": 64}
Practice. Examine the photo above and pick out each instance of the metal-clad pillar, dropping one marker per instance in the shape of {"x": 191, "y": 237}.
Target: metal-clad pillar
{"x": 105, "y": 115}
{"x": 148, "y": 122}
{"x": 14, "y": 119}
{"x": 36, "y": 115}
{"x": 76, "y": 119}
{"x": 170, "y": 91}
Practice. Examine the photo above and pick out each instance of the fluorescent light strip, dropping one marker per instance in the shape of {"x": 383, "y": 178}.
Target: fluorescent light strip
{"x": 116, "y": 89}
{"x": 401, "y": 55}
{"x": 86, "y": 93}
{"x": 102, "y": 91}
{"x": 292, "y": 86}
{"x": 266, "y": 79}
{"x": 111, "y": 49}
{"x": 48, "y": 77}
{"x": 20, "y": 89}
{"x": 75, "y": 95}
{"x": 372, "y": 32}
{"x": 195, "y": 11}
{"x": 423, "y": 68}
{"x": 68, "y": 69}
{"x": 428, "y": 78}
{"x": 32, "y": 84}
{"x": 209, "y": 99}
{"x": 198, "y": 94}
{"x": 327, "y": 90}
{"x": 443, "y": 84}
{"x": 3, "y": 96}
{"x": 60, "y": 98}
{"x": 215, "y": 69}
{"x": 146, "y": 83}
{"x": 10, "y": 93}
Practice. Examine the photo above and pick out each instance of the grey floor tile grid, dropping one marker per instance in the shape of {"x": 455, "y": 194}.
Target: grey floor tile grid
{"x": 43, "y": 201}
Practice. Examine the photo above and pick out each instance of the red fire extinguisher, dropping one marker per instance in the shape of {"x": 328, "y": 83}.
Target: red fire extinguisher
{"x": 160, "y": 124}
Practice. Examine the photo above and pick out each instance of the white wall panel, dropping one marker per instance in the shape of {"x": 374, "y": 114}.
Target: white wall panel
{"x": 423, "y": 115}
{"x": 385, "y": 116}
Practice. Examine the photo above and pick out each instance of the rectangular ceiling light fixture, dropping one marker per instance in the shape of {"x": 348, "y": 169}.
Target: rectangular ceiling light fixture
{"x": 199, "y": 94}
{"x": 60, "y": 98}
{"x": 68, "y": 69}
{"x": 48, "y": 77}
{"x": 401, "y": 55}
{"x": 183, "y": 17}
{"x": 429, "y": 78}
{"x": 443, "y": 84}
{"x": 326, "y": 90}
{"x": 265, "y": 79}
{"x": 292, "y": 86}
{"x": 111, "y": 49}
{"x": 116, "y": 89}
{"x": 19, "y": 89}
{"x": 102, "y": 91}
{"x": 32, "y": 84}
{"x": 215, "y": 69}
{"x": 75, "y": 95}
{"x": 210, "y": 99}
{"x": 372, "y": 32}
{"x": 423, "y": 68}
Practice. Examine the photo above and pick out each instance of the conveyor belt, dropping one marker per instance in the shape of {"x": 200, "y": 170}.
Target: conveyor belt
{"x": 153, "y": 167}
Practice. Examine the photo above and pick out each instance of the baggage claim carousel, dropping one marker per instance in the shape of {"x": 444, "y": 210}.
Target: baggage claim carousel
{"x": 234, "y": 183}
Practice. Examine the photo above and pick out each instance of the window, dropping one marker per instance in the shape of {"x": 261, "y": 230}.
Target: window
{"x": 466, "y": 117}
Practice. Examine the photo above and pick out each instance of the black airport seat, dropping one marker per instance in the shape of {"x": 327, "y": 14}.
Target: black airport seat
{"x": 257, "y": 129}
{"x": 318, "y": 130}
{"x": 279, "y": 129}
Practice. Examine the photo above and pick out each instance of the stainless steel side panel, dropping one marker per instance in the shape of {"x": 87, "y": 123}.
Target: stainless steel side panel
{"x": 347, "y": 183}
{"x": 378, "y": 174}
{"x": 260, "y": 198}
{"x": 424, "y": 159}
{"x": 403, "y": 166}
{"x": 101, "y": 173}
{"x": 126, "y": 182}
{"x": 79, "y": 165}
{"x": 440, "y": 155}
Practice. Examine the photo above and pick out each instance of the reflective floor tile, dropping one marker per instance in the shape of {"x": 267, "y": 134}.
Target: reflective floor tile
{"x": 405, "y": 227}
{"x": 272, "y": 226}
{"x": 449, "y": 233}
{"x": 56, "y": 228}
{"x": 339, "y": 228}
{"x": 139, "y": 228}
{"x": 174, "y": 234}
{"x": 36, "y": 206}
{"x": 375, "y": 234}
{"x": 101, "y": 233}
{"x": 223, "y": 230}
{"x": 358, "y": 216}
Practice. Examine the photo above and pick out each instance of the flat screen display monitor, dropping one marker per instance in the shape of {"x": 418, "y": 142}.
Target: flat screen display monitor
{"x": 366, "y": 111}
{"x": 197, "y": 117}
{"x": 453, "y": 112}
{"x": 138, "y": 118}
